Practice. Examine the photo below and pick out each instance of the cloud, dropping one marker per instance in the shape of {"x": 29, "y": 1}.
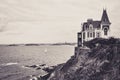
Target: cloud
{"x": 52, "y": 20}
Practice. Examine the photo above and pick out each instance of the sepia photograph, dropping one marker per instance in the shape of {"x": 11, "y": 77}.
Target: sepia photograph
{"x": 59, "y": 39}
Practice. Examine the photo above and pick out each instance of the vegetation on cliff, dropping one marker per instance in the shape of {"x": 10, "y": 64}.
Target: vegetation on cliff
{"x": 101, "y": 62}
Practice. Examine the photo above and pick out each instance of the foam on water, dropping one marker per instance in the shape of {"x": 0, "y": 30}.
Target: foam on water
{"x": 8, "y": 64}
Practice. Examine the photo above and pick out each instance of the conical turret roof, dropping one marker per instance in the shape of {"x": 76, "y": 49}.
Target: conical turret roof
{"x": 105, "y": 18}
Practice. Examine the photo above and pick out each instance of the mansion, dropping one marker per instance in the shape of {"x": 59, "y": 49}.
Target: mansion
{"x": 94, "y": 29}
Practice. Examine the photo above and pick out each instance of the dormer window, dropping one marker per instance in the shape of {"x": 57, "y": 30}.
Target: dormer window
{"x": 90, "y": 26}
{"x": 105, "y": 20}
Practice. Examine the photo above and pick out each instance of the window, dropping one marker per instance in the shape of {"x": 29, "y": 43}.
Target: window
{"x": 79, "y": 43}
{"x": 86, "y": 27}
{"x": 93, "y": 34}
{"x": 84, "y": 35}
{"x": 98, "y": 34}
{"x": 105, "y": 20}
{"x": 90, "y": 34}
{"x": 90, "y": 26}
{"x": 105, "y": 31}
{"x": 79, "y": 35}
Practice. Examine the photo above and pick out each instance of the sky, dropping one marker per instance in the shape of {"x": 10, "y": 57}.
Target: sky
{"x": 52, "y": 21}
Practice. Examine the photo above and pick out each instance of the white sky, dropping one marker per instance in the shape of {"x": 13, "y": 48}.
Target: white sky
{"x": 50, "y": 21}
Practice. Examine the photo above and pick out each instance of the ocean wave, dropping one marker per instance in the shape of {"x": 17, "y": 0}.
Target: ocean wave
{"x": 8, "y": 64}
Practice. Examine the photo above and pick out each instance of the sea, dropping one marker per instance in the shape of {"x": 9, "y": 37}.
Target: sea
{"x": 14, "y": 59}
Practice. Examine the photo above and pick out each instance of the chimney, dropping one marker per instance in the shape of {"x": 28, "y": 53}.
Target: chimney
{"x": 89, "y": 20}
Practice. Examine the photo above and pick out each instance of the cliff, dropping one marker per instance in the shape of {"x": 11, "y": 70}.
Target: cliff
{"x": 101, "y": 61}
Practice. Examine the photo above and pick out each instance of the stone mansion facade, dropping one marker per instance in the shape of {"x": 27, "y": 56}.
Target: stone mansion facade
{"x": 94, "y": 29}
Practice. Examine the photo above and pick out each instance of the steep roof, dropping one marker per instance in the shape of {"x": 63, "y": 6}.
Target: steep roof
{"x": 105, "y": 18}
{"x": 96, "y": 24}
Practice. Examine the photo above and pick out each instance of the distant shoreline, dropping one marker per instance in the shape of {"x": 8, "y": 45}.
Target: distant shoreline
{"x": 35, "y": 44}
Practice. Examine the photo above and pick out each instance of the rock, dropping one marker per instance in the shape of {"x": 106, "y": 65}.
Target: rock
{"x": 49, "y": 69}
{"x": 38, "y": 68}
{"x": 42, "y": 65}
{"x": 33, "y": 77}
{"x": 32, "y": 66}
{"x": 101, "y": 63}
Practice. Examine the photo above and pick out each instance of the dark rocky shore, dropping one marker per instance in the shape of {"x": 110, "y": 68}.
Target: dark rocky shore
{"x": 101, "y": 61}
{"x": 47, "y": 69}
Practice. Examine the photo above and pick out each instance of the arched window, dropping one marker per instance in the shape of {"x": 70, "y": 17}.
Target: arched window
{"x": 86, "y": 27}
{"x": 90, "y": 26}
{"x": 105, "y": 31}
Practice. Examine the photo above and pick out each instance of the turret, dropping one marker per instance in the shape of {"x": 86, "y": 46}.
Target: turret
{"x": 105, "y": 24}
{"x": 105, "y": 19}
